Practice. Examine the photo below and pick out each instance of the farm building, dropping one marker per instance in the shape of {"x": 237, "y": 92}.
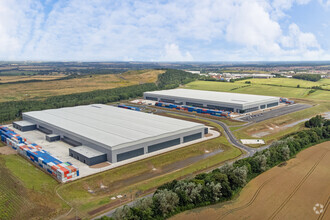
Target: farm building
{"x": 101, "y": 133}
{"x": 226, "y": 101}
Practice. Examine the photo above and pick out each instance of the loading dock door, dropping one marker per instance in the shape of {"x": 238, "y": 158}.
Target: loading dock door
{"x": 130, "y": 154}
{"x": 192, "y": 137}
{"x": 163, "y": 145}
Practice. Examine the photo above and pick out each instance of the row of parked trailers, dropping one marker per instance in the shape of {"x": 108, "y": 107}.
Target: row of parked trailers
{"x": 286, "y": 100}
{"x": 129, "y": 107}
{"x": 194, "y": 109}
{"x": 60, "y": 170}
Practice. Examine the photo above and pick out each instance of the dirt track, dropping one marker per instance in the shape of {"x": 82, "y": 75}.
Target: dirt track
{"x": 288, "y": 192}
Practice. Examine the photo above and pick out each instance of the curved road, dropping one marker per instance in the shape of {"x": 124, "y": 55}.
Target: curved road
{"x": 229, "y": 135}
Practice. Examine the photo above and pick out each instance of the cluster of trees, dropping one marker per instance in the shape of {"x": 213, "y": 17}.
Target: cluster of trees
{"x": 171, "y": 78}
{"x": 223, "y": 183}
{"x": 309, "y": 77}
{"x": 240, "y": 79}
{"x": 317, "y": 121}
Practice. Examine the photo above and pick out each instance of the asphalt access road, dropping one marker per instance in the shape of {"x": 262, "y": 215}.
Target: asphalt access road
{"x": 267, "y": 114}
{"x": 229, "y": 135}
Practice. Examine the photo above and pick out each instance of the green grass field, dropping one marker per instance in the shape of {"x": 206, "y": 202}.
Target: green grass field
{"x": 28, "y": 192}
{"x": 260, "y": 88}
{"x": 320, "y": 99}
{"x": 289, "y": 82}
{"x": 76, "y": 192}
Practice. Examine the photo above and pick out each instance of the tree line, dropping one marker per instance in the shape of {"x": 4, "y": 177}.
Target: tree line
{"x": 12, "y": 110}
{"x": 223, "y": 183}
{"x": 309, "y": 77}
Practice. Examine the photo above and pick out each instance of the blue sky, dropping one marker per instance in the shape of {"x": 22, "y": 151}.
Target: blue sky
{"x": 164, "y": 30}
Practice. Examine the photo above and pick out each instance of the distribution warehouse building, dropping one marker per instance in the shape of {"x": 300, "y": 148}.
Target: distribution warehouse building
{"x": 234, "y": 102}
{"x": 101, "y": 133}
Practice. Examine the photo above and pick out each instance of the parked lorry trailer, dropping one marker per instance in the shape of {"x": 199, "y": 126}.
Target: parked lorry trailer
{"x": 129, "y": 107}
{"x": 217, "y": 113}
{"x": 286, "y": 101}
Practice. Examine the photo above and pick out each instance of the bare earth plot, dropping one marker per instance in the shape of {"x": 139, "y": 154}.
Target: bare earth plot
{"x": 288, "y": 192}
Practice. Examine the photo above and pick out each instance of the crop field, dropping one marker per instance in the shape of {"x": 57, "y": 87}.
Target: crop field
{"x": 142, "y": 176}
{"x": 26, "y": 192}
{"x": 286, "y": 192}
{"x": 40, "y": 90}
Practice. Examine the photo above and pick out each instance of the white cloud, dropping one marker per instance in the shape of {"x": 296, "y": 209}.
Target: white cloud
{"x": 250, "y": 25}
{"x": 325, "y": 3}
{"x": 173, "y": 53}
{"x": 298, "y": 39}
{"x": 152, "y": 30}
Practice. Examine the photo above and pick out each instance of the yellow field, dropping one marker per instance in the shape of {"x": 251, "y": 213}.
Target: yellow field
{"x": 6, "y": 79}
{"x": 288, "y": 192}
{"x": 39, "y": 90}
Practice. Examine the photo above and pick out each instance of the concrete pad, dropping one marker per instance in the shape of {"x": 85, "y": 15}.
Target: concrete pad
{"x": 252, "y": 141}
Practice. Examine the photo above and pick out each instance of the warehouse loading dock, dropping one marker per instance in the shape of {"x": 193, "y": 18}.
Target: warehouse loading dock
{"x": 87, "y": 155}
{"x": 53, "y": 137}
{"x": 225, "y": 101}
{"x": 24, "y": 125}
{"x": 117, "y": 133}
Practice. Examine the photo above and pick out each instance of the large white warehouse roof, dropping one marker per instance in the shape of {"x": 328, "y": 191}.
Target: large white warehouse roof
{"x": 234, "y": 98}
{"x": 111, "y": 126}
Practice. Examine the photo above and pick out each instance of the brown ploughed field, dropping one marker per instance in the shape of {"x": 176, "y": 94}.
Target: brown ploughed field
{"x": 287, "y": 192}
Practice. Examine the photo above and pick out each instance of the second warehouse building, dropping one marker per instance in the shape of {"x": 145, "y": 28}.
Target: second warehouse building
{"x": 101, "y": 133}
{"x": 234, "y": 102}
